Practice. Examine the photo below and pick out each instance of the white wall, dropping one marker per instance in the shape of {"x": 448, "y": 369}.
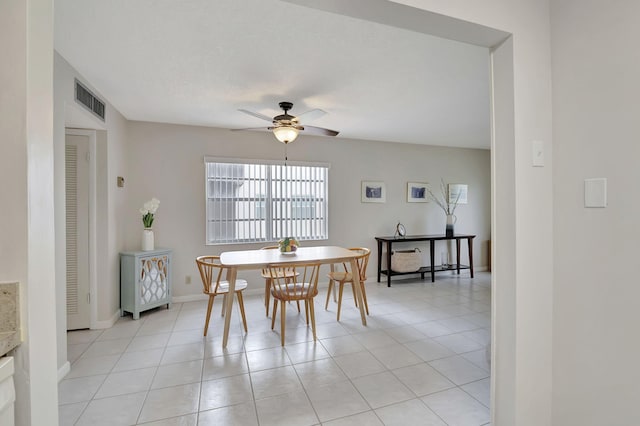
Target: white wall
{"x": 596, "y": 294}
{"x": 26, "y": 173}
{"x": 167, "y": 162}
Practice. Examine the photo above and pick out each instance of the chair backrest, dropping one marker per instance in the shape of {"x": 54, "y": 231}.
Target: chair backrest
{"x": 211, "y": 272}
{"x": 362, "y": 260}
{"x": 265, "y": 271}
{"x": 300, "y": 284}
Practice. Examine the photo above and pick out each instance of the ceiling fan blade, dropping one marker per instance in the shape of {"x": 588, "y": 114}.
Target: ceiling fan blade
{"x": 265, "y": 129}
{"x": 295, "y": 125}
{"x": 320, "y": 131}
{"x": 257, "y": 115}
{"x": 312, "y": 114}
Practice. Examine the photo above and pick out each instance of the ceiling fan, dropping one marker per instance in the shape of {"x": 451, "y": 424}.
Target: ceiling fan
{"x": 286, "y": 127}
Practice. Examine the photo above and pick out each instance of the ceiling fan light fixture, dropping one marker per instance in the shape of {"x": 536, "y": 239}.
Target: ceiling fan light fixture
{"x": 285, "y": 134}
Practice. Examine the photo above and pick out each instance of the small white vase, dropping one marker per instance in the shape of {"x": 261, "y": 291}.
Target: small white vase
{"x": 147, "y": 239}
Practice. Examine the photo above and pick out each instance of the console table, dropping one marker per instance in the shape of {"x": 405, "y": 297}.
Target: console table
{"x": 432, "y": 268}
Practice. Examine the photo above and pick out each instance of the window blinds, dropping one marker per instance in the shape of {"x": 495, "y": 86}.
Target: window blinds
{"x": 249, "y": 201}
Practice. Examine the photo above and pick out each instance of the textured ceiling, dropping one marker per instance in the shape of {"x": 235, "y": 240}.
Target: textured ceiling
{"x": 199, "y": 61}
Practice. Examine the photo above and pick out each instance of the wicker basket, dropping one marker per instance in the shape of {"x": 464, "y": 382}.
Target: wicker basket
{"x": 406, "y": 260}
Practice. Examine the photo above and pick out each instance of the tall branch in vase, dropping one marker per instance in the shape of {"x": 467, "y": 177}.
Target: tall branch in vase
{"x": 449, "y": 208}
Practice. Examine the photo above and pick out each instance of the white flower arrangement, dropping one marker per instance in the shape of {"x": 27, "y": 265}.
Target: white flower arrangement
{"x": 148, "y": 210}
{"x": 449, "y": 208}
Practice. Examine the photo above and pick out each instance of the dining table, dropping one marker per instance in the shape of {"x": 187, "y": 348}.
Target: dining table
{"x": 240, "y": 260}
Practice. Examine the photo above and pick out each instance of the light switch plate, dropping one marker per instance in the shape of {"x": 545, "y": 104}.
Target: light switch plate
{"x": 595, "y": 192}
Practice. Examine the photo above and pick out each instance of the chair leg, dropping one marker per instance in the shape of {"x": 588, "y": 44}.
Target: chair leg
{"x": 224, "y": 303}
{"x": 273, "y": 315}
{"x": 326, "y": 303}
{"x": 298, "y": 303}
{"x": 340, "y": 299}
{"x": 332, "y": 286}
{"x": 313, "y": 318}
{"x": 267, "y": 295}
{"x": 241, "y": 303}
{"x": 283, "y": 320}
{"x": 306, "y": 310}
{"x": 206, "y": 321}
{"x": 353, "y": 291}
{"x": 364, "y": 298}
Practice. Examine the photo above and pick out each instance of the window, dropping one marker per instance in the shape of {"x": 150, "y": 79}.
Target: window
{"x": 253, "y": 201}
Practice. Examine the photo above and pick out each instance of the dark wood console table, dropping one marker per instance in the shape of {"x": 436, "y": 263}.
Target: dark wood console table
{"x": 432, "y": 268}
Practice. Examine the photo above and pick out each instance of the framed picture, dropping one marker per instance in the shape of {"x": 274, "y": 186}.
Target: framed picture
{"x": 373, "y": 192}
{"x": 417, "y": 192}
{"x": 457, "y": 192}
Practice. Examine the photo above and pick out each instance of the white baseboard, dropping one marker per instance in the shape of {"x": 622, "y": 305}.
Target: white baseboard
{"x": 99, "y": 325}
{"x": 63, "y": 371}
{"x": 189, "y": 298}
{"x": 254, "y": 291}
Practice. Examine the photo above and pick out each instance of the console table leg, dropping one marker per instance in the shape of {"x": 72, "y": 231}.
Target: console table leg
{"x": 379, "y": 258}
{"x": 388, "y": 263}
{"x": 432, "y": 249}
{"x": 470, "y": 242}
{"x": 458, "y": 255}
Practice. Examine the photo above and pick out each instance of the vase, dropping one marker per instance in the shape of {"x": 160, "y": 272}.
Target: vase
{"x": 147, "y": 239}
{"x": 451, "y": 220}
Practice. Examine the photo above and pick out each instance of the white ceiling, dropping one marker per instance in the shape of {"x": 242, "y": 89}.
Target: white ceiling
{"x": 199, "y": 61}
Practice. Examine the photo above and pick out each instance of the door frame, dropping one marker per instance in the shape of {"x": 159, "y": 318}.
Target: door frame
{"x": 93, "y": 261}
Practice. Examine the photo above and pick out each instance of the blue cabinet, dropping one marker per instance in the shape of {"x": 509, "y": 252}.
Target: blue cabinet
{"x": 145, "y": 280}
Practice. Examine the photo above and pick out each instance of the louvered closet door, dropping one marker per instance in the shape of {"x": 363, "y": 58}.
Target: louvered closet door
{"x": 77, "y": 219}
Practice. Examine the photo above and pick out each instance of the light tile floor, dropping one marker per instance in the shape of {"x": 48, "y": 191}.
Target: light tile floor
{"x": 420, "y": 361}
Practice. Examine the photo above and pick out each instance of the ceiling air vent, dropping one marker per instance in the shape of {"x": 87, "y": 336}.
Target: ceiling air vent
{"x": 89, "y": 100}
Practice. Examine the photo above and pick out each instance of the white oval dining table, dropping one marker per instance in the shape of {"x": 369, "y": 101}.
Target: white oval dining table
{"x": 259, "y": 259}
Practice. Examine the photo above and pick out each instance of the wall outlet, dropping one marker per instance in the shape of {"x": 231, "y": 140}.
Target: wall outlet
{"x": 187, "y": 279}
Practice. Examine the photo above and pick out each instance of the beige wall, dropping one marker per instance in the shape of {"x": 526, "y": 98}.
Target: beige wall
{"x": 167, "y": 162}
{"x": 596, "y": 110}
